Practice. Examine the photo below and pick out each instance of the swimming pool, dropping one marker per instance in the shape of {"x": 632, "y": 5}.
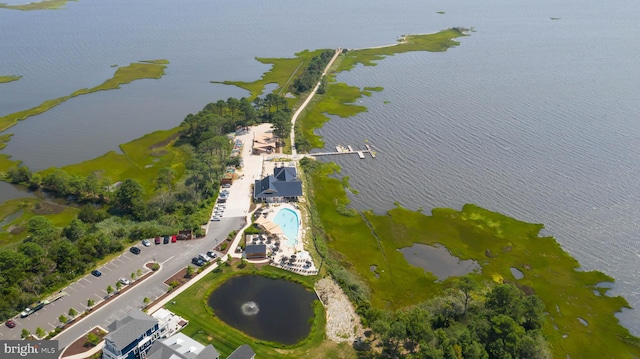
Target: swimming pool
{"x": 288, "y": 221}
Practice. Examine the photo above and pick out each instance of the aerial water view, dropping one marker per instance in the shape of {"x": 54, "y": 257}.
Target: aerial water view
{"x": 331, "y": 179}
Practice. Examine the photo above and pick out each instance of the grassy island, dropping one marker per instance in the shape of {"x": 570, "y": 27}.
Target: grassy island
{"x": 37, "y": 5}
{"x": 9, "y": 78}
{"x": 123, "y": 75}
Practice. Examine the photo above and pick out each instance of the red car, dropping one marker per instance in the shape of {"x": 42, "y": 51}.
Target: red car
{"x": 173, "y": 238}
{"x": 10, "y": 323}
{"x": 157, "y": 240}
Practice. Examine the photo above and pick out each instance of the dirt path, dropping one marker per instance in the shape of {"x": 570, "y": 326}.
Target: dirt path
{"x": 343, "y": 324}
{"x": 304, "y": 104}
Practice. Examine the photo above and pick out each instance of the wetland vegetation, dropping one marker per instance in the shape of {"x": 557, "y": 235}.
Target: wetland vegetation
{"x": 10, "y": 78}
{"x": 123, "y": 75}
{"x": 37, "y": 5}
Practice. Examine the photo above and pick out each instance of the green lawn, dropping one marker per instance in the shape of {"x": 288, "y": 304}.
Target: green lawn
{"x": 123, "y": 75}
{"x": 206, "y": 328}
{"x": 37, "y": 5}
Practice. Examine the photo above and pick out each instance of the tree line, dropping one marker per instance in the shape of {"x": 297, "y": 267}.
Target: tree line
{"x": 465, "y": 322}
{"x": 112, "y": 216}
{"x": 312, "y": 73}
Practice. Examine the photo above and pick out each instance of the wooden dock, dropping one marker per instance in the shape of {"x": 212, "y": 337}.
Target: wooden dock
{"x": 345, "y": 150}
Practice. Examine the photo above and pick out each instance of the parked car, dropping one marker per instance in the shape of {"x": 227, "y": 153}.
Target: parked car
{"x": 222, "y": 200}
{"x": 146, "y": 243}
{"x": 157, "y": 240}
{"x": 10, "y": 323}
{"x": 204, "y": 257}
{"x": 174, "y": 238}
{"x": 226, "y": 185}
{"x": 197, "y": 261}
{"x": 124, "y": 281}
{"x": 216, "y": 218}
{"x": 212, "y": 255}
{"x": 96, "y": 273}
{"x": 134, "y": 250}
{"x": 166, "y": 240}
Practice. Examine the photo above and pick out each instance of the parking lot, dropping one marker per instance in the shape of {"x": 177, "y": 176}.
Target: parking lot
{"x": 88, "y": 287}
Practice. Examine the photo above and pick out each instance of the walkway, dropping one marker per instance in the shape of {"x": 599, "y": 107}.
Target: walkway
{"x": 308, "y": 99}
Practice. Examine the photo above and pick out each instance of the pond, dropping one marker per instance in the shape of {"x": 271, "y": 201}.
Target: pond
{"x": 438, "y": 260}
{"x": 275, "y": 310}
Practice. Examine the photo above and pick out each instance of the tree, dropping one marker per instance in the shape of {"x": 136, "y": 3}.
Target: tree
{"x": 118, "y": 286}
{"x": 93, "y": 339}
{"x": 90, "y": 303}
{"x": 72, "y": 312}
{"x": 281, "y": 124}
{"x": 466, "y": 285}
{"x": 133, "y": 275}
{"x": 40, "y": 333}
{"x": 506, "y": 299}
{"x": 74, "y": 230}
{"x": 190, "y": 271}
{"x": 220, "y": 105}
{"x": 129, "y": 195}
{"x": 41, "y": 230}
{"x": 138, "y": 272}
{"x": 25, "y": 334}
{"x": 233, "y": 104}
{"x": 146, "y": 300}
{"x": 166, "y": 175}
{"x": 62, "y": 319}
{"x": 109, "y": 289}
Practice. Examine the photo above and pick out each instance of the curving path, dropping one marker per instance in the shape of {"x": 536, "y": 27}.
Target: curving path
{"x": 307, "y": 100}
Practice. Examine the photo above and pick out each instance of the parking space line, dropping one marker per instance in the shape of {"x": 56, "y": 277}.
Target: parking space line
{"x": 78, "y": 283}
{"x": 107, "y": 269}
{"x": 98, "y": 296}
{"x": 73, "y": 289}
{"x": 51, "y": 325}
{"x": 85, "y": 278}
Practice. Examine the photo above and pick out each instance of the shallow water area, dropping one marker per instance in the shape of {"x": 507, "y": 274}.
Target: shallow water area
{"x": 438, "y": 260}
{"x": 268, "y": 309}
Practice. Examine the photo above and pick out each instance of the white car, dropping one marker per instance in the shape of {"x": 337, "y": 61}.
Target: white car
{"x": 216, "y": 218}
{"x": 124, "y": 281}
{"x": 204, "y": 257}
{"x": 146, "y": 243}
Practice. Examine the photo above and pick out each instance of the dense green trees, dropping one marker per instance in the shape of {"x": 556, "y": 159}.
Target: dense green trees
{"x": 312, "y": 73}
{"x": 501, "y": 324}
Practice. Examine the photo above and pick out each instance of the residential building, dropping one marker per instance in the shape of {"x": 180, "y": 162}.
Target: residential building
{"x": 283, "y": 186}
{"x": 132, "y": 336}
{"x": 243, "y": 352}
{"x": 180, "y": 346}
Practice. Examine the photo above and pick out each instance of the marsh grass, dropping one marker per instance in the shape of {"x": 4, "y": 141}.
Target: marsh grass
{"x": 37, "y": 5}
{"x": 497, "y": 242}
{"x": 9, "y": 78}
{"x": 141, "y": 160}
{"x": 123, "y": 75}
{"x": 206, "y": 328}
{"x": 282, "y": 72}
{"x": 59, "y": 215}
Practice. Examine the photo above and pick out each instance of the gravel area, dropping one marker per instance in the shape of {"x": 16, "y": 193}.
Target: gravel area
{"x": 343, "y": 324}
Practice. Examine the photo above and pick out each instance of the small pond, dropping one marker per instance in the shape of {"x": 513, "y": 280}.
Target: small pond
{"x": 516, "y": 273}
{"x": 275, "y": 310}
{"x": 438, "y": 260}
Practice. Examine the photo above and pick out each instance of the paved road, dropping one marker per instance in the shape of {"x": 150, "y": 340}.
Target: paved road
{"x": 173, "y": 256}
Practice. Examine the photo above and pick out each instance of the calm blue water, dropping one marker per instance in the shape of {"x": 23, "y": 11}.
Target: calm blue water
{"x": 288, "y": 221}
{"x": 535, "y": 118}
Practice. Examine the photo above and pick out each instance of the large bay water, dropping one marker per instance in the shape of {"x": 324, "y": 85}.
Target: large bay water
{"x": 532, "y": 117}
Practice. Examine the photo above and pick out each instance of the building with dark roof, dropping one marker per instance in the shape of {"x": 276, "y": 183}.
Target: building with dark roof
{"x": 243, "y": 352}
{"x": 283, "y": 186}
{"x": 255, "y": 251}
{"x": 132, "y": 336}
{"x": 180, "y": 346}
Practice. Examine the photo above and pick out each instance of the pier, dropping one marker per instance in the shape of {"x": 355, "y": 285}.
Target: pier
{"x": 342, "y": 150}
